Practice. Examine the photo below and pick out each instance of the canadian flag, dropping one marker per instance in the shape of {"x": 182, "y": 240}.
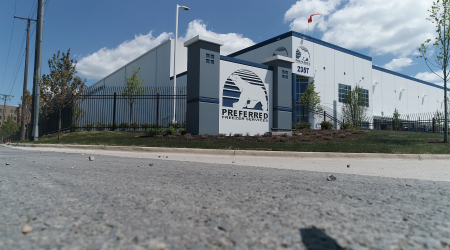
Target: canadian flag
{"x": 310, "y": 18}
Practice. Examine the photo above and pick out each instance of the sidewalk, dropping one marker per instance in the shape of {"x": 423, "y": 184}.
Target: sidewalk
{"x": 423, "y": 167}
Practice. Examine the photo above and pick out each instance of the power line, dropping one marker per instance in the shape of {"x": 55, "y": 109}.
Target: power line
{"x": 9, "y": 49}
{"x": 18, "y": 64}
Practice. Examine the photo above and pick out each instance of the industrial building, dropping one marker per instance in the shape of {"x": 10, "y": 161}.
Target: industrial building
{"x": 255, "y": 90}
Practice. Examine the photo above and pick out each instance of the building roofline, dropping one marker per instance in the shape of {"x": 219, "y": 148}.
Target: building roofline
{"x": 137, "y": 58}
{"x": 307, "y": 38}
{"x": 407, "y": 77}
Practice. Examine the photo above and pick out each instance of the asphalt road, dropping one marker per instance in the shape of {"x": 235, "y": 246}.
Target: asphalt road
{"x": 124, "y": 203}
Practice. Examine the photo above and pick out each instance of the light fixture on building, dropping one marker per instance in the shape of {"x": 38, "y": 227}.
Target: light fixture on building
{"x": 376, "y": 83}
{"x": 403, "y": 89}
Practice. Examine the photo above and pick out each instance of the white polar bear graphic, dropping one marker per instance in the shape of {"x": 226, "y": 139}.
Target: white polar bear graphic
{"x": 249, "y": 92}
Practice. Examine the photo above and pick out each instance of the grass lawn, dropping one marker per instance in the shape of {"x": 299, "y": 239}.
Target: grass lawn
{"x": 374, "y": 142}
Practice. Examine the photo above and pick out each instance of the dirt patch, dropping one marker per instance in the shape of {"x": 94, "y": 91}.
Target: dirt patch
{"x": 438, "y": 142}
{"x": 304, "y": 135}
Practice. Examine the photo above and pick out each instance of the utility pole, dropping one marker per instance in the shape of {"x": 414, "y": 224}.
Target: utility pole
{"x": 25, "y": 79}
{"x": 37, "y": 67}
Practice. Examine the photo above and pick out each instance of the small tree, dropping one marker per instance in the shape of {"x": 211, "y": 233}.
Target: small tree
{"x": 354, "y": 108}
{"x": 61, "y": 88}
{"x": 396, "y": 122}
{"x": 310, "y": 99}
{"x": 440, "y": 49}
{"x": 133, "y": 89}
{"x": 9, "y": 127}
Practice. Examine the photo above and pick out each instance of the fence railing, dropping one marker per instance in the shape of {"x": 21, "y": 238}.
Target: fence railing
{"x": 107, "y": 108}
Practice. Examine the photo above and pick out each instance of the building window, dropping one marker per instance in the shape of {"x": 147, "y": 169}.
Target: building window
{"x": 14, "y": 118}
{"x": 366, "y": 95}
{"x": 285, "y": 74}
{"x": 11, "y": 112}
{"x": 209, "y": 58}
{"x": 343, "y": 89}
{"x": 0, "y": 117}
{"x": 15, "y": 112}
{"x": 1, "y": 111}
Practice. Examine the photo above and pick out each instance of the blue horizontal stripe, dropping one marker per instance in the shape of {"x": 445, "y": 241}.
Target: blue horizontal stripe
{"x": 283, "y": 109}
{"x": 179, "y": 75}
{"x": 307, "y": 38}
{"x": 252, "y": 64}
{"x": 407, "y": 77}
{"x": 230, "y": 87}
{"x": 204, "y": 99}
{"x": 231, "y": 94}
{"x": 227, "y": 102}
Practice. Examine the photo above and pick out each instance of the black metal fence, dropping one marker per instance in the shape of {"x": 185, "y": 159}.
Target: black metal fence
{"x": 432, "y": 122}
{"x": 107, "y": 108}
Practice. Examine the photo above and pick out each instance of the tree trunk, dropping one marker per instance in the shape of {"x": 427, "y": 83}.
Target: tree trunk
{"x": 59, "y": 122}
{"x": 445, "y": 109}
{"x": 131, "y": 113}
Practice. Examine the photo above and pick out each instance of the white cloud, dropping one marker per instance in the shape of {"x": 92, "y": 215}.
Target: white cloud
{"x": 232, "y": 41}
{"x": 106, "y": 61}
{"x": 398, "y": 64}
{"x": 384, "y": 26}
{"x": 300, "y": 12}
{"x": 431, "y": 77}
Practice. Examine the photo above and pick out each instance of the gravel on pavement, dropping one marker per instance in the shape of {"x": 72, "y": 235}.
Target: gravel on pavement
{"x": 114, "y": 202}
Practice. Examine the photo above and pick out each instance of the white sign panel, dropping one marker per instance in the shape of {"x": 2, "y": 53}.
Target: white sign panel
{"x": 303, "y": 55}
{"x": 245, "y": 99}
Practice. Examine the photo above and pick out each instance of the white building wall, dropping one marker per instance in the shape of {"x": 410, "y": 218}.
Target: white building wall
{"x": 156, "y": 67}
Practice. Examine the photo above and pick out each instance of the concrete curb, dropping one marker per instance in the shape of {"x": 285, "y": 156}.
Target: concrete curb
{"x": 281, "y": 154}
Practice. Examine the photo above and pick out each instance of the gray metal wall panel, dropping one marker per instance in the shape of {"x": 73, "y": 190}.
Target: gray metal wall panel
{"x": 192, "y": 118}
{"x": 209, "y": 75}
{"x": 209, "y": 120}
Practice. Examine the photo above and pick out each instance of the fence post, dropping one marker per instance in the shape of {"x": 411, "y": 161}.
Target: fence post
{"x": 114, "y": 112}
{"x": 433, "y": 124}
{"x": 324, "y": 115}
{"x": 157, "y": 110}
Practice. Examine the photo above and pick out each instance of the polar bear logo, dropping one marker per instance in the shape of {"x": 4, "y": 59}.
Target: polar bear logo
{"x": 251, "y": 88}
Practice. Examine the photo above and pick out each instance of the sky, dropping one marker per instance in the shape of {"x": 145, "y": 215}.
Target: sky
{"x": 103, "y": 35}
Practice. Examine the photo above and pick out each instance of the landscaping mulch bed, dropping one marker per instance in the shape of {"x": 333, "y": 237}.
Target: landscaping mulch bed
{"x": 304, "y": 135}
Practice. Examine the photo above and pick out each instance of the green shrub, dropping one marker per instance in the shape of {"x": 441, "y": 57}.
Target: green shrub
{"x": 326, "y": 125}
{"x": 100, "y": 126}
{"x": 261, "y": 139}
{"x": 123, "y": 126}
{"x": 147, "y": 125}
{"x": 237, "y": 135}
{"x": 284, "y": 135}
{"x": 182, "y": 131}
{"x": 134, "y": 125}
{"x": 75, "y": 127}
{"x": 88, "y": 126}
{"x": 342, "y": 136}
{"x": 346, "y": 125}
{"x": 170, "y": 131}
{"x": 109, "y": 126}
{"x": 152, "y": 132}
{"x": 303, "y": 125}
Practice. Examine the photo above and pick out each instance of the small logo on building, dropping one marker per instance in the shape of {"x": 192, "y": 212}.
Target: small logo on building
{"x": 281, "y": 51}
{"x": 303, "y": 56}
{"x": 245, "y": 90}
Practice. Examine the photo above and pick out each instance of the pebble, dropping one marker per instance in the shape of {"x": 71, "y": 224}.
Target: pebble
{"x": 91, "y": 158}
{"x": 26, "y": 229}
{"x": 348, "y": 165}
{"x": 151, "y": 164}
{"x": 7, "y": 164}
{"x": 331, "y": 178}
